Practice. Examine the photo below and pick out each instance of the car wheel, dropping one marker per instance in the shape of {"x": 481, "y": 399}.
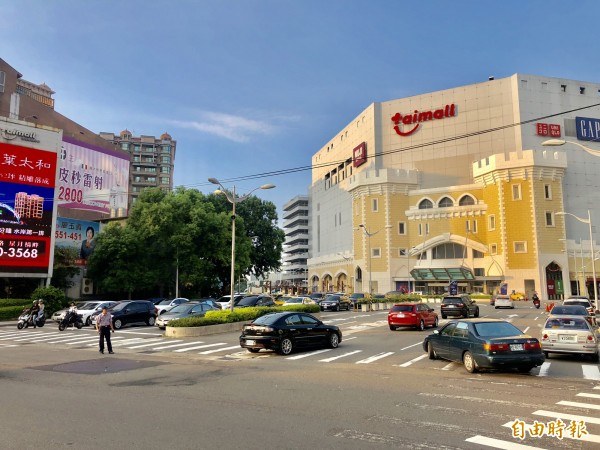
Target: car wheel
{"x": 88, "y": 322}
{"x": 431, "y": 352}
{"x": 253, "y": 350}
{"x": 333, "y": 340}
{"x": 477, "y": 312}
{"x": 286, "y": 346}
{"x": 349, "y": 307}
{"x": 393, "y": 328}
{"x": 444, "y": 316}
{"x": 495, "y": 307}
{"x": 466, "y": 315}
{"x": 118, "y": 324}
{"x": 151, "y": 320}
{"x": 435, "y": 323}
{"x": 337, "y": 308}
{"x": 469, "y": 362}
{"x": 421, "y": 326}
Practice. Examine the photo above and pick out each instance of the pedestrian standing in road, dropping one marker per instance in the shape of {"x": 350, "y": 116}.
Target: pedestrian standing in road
{"x": 104, "y": 326}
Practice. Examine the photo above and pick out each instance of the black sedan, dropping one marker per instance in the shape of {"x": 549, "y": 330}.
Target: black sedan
{"x": 283, "y": 332}
{"x": 335, "y": 303}
{"x": 485, "y": 344}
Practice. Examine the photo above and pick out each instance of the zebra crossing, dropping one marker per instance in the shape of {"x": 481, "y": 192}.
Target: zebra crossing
{"x": 350, "y": 352}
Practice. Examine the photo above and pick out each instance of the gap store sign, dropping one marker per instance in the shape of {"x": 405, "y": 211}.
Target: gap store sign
{"x": 588, "y": 129}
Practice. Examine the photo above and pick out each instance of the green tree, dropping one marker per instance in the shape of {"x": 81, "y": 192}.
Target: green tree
{"x": 64, "y": 268}
{"x": 53, "y": 297}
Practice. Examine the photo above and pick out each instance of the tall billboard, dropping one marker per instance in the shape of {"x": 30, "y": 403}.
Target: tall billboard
{"x": 80, "y": 235}
{"x": 92, "y": 178}
{"x": 27, "y": 207}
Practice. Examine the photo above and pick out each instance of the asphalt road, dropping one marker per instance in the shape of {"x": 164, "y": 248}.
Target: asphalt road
{"x": 375, "y": 391}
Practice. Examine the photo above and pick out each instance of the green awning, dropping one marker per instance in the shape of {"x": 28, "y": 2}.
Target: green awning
{"x": 443, "y": 274}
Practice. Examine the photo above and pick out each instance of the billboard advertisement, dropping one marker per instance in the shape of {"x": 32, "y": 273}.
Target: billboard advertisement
{"x": 588, "y": 129}
{"x": 27, "y": 182}
{"x": 92, "y": 178}
{"x": 80, "y": 235}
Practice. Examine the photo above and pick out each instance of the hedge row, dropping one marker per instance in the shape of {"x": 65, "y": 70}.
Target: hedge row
{"x": 238, "y": 315}
{"x": 10, "y": 312}
{"x": 22, "y": 302}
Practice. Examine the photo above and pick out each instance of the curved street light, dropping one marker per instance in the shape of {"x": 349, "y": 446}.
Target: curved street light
{"x": 234, "y": 199}
{"x": 369, "y": 234}
{"x": 592, "y": 254}
{"x": 559, "y": 142}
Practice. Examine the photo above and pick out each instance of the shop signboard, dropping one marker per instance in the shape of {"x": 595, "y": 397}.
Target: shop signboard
{"x": 588, "y": 129}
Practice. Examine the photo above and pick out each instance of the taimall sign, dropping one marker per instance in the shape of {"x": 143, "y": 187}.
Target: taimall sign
{"x": 416, "y": 117}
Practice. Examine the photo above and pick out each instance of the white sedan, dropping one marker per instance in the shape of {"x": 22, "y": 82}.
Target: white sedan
{"x": 166, "y": 305}
{"x": 299, "y": 301}
{"x": 504, "y": 301}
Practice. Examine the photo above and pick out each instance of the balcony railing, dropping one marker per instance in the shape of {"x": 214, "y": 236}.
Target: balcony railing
{"x": 37, "y": 97}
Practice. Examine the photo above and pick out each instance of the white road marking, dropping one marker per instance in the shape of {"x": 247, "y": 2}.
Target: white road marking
{"x": 412, "y": 361}
{"x": 140, "y": 332}
{"x": 306, "y": 355}
{"x": 497, "y": 443}
{"x": 525, "y": 330}
{"x": 131, "y": 341}
{"x": 588, "y": 395}
{"x": 574, "y": 417}
{"x": 375, "y": 358}
{"x": 37, "y": 339}
{"x": 8, "y": 345}
{"x": 585, "y": 437}
{"x": 596, "y": 387}
{"x": 154, "y": 342}
{"x": 448, "y": 367}
{"x": 545, "y": 367}
{"x": 414, "y": 345}
{"x": 590, "y": 372}
{"x": 178, "y": 345}
{"x": 340, "y": 356}
{"x": 536, "y": 318}
{"x": 65, "y": 340}
{"x": 219, "y": 350}
{"x": 350, "y": 338}
{"x": 578, "y": 404}
{"x": 199, "y": 346}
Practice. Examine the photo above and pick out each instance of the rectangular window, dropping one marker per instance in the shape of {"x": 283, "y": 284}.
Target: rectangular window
{"x": 124, "y": 145}
{"x": 474, "y": 230}
{"x": 402, "y": 252}
{"x": 550, "y": 219}
{"x": 477, "y": 254}
{"x": 375, "y": 205}
{"x": 479, "y": 272}
{"x": 467, "y": 226}
{"x": 165, "y": 169}
{"x": 547, "y": 192}
{"x": 420, "y": 229}
{"x": 426, "y": 229}
{"x": 492, "y": 222}
{"x": 563, "y": 87}
{"x": 136, "y": 148}
{"x": 376, "y": 252}
{"x": 401, "y": 228}
{"x": 166, "y": 149}
{"x": 340, "y": 218}
{"x": 581, "y": 90}
{"x": 493, "y": 249}
{"x": 516, "y": 192}
{"x": 520, "y": 246}
{"x": 2, "y": 80}
{"x": 166, "y": 159}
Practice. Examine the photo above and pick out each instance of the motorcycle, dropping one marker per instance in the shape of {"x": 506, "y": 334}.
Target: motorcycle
{"x": 536, "y": 302}
{"x": 25, "y": 320}
{"x": 71, "y": 318}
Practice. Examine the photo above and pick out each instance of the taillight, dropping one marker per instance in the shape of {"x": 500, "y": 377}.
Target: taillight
{"x": 532, "y": 345}
{"x": 545, "y": 337}
{"x": 443, "y": 305}
{"x": 460, "y": 305}
{"x": 495, "y": 347}
{"x": 590, "y": 338}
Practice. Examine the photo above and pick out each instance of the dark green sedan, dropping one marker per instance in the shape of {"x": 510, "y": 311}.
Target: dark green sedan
{"x": 485, "y": 344}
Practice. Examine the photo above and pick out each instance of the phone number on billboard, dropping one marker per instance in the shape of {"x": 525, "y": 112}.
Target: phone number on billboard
{"x": 66, "y": 235}
{"x": 19, "y": 253}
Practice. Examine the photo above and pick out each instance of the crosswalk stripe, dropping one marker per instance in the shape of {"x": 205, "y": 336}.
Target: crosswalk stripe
{"x": 585, "y": 437}
{"x": 219, "y": 350}
{"x": 566, "y": 416}
{"x": 306, "y": 355}
{"x": 121, "y": 341}
{"x": 154, "y": 342}
{"x": 178, "y": 345}
{"x": 199, "y": 346}
{"x": 36, "y": 339}
{"x": 374, "y": 358}
{"x": 340, "y": 356}
{"x": 590, "y": 372}
{"x": 578, "y": 404}
{"x": 596, "y": 387}
{"x": 412, "y": 361}
{"x": 497, "y": 443}
{"x": 65, "y": 340}
{"x": 583, "y": 394}
{"x": 83, "y": 341}
{"x": 544, "y": 368}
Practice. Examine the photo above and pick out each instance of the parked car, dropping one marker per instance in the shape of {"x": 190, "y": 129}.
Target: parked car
{"x": 299, "y": 301}
{"x": 184, "y": 310}
{"x": 504, "y": 301}
{"x": 318, "y": 296}
{"x": 89, "y": 308}
{"x": 211, "y": 301}
{"x": 166, "y": 305}
{"x": 573, "y": 310}
{"x": 131, "y": 311}
{"x": 286, "y": 331}
{"x": 485, "y": 344}
{"x": 417, "y": 315}
{"x": 569, "y": 334}
{"x": 59, "y": 315}
{"x": 581, "y": 297}
{"x": 156, "y": 300}
{"x": 587, "y": 304}
{"x": 459, "y": 305}
{"x": 226, "y": 299}
{"x": 255, "y": 300}
{"x": 335, "y": 302}
{"x": 356, "y": 297}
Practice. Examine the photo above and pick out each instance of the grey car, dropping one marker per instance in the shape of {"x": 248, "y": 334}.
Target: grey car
{"x": 189, "y": 309}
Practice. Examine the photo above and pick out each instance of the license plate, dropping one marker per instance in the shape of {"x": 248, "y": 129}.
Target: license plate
{"x": 451, "y": 306}
{"x": 399, "y": 315}
{"x": 516, "y": 347}
{"x": 567, "y": 338}
{"x": 250, "y": 342}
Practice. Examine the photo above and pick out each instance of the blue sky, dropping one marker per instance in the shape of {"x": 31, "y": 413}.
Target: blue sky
{"x": 252, "y": 86}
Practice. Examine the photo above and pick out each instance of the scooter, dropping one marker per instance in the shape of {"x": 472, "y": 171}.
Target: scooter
{"x": 71, "y": 318}
{"x": 25, "y": 320}
{"x": 536, "y": 302}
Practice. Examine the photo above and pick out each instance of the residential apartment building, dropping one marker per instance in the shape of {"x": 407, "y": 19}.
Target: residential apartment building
{"x": 296, "y": 246}
{"x": 152, "y": 160}
{"x": 462, "y": 185}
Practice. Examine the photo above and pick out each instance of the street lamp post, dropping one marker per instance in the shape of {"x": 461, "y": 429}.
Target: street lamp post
{"x": 233, "y": 199}
{"x": 592, "y": 254}
{"x": 368, "y": 234}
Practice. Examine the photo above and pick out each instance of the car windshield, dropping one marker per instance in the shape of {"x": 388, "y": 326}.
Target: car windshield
{"x": 496, "y": 329}
{"x": 181, "y": 308}
{"x": 86, "y": 305}
{"x": 119, "y": 306}
{"x": 332, "y": 298}
{"x": 248, "y": 301}
{"x": 357, "y": 296}
{"x": 402, "y": 308}
{"x": 571, "y": 323}
{"x": 268, "y": 319}
{"x": 294, "y": 300}
{"x": 569, "y": 310}
{"x": 583, "y": 303}
{"x": 165, "y": 302}
{"x": 452, "y": 300}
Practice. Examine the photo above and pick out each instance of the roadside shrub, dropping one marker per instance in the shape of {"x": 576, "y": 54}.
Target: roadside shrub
{"x": 480, "y": 296}
{"x": 54, "y": 298}
{"x": 404, "y": 298}
{"x": 11, "y": 312}
{"x": 22, "y": 302}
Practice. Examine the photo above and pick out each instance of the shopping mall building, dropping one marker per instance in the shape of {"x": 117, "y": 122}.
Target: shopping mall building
{"x": 462, "y": 184}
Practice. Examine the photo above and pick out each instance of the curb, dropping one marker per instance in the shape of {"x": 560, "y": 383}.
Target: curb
{"x": 177, "y": 332}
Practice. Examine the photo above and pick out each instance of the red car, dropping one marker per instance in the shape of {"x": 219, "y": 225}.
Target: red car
{"x": 418, "y": 315}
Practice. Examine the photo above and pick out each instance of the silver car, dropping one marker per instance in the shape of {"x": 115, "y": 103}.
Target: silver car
{"x": 569, "y": 334}
{"x": 188, "y": 309}
{"x": 59, "y": 315}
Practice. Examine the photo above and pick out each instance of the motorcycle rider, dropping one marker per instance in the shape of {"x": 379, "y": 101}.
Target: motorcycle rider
{"x": 33, "y": 313}
{"x": 535, "y": 298}
{"x": 73, "y": 313}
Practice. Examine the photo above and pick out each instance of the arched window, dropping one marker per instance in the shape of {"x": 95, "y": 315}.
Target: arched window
{"x": 425, "y": 204}
{"x": 466, "y": 200}
{"x": 446, "y": 202}
{"x": 448, "y": 251}
{"x": 358, "y": 274}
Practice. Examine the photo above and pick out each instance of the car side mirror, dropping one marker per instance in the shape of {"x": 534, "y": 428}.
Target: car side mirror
{"x": 436, "y": 331}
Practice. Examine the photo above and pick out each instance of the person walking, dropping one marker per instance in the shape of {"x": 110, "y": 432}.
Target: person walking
{"x": 104, "y": 326}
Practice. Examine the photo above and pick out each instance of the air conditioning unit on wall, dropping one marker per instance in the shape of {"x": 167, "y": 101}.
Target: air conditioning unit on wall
{"x": 87, "y": 286}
